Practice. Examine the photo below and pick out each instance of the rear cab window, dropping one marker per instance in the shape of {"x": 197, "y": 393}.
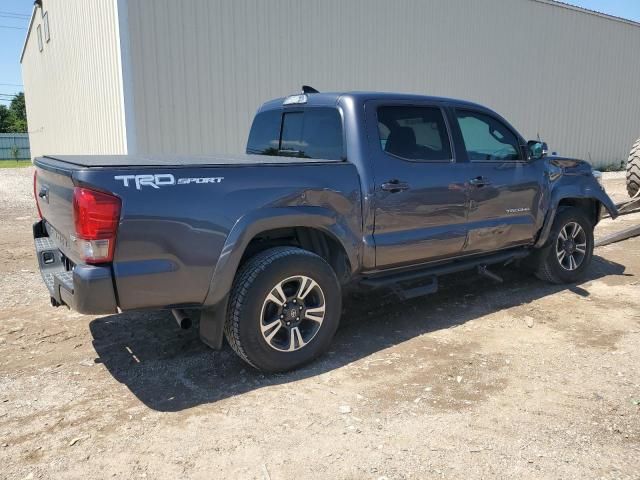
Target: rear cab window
{"x": 312, "y": 132}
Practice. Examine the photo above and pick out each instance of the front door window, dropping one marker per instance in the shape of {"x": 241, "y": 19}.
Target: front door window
{"x": 487, "y": 139}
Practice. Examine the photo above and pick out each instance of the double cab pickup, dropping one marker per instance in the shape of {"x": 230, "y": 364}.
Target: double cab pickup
{"x": 336, "y": 190}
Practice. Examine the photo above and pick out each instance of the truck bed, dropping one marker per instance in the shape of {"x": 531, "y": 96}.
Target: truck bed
{"x": 97, "y": 161}
{"x": 170, "y": 237}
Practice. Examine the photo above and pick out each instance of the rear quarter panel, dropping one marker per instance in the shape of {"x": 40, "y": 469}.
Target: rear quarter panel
{"x": 171, "y": 238}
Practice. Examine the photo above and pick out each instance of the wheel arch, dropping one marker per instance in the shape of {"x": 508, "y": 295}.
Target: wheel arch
{"x": 316, "y": 229}
{"x": 590, "y": 206}
{"x": 320, "y": 241}
{"x": 590, "y": 201}
{"x": 316, "y": 224}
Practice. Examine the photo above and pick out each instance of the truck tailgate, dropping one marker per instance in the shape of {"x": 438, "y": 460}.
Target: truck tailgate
{"x": 53, "y": 190}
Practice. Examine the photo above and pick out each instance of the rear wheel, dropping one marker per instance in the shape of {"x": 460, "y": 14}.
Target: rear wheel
{"x": 570, "y": 249}
{"x": 633, "y": 170}
{"x": 284, "y": 309}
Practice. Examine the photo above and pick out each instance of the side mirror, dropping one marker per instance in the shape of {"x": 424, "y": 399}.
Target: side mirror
{"x": 536, "y": 149}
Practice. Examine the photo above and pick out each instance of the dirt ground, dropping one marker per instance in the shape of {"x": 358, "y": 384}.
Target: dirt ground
{"x": 520, "y": 380}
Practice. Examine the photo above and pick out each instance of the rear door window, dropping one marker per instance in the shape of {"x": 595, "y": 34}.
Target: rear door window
{"x": 309, "y": 133}
{"x": 414, "y": 133}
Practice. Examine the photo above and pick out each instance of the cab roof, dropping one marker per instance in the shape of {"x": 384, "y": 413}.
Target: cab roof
{"x": 331, "y": 99}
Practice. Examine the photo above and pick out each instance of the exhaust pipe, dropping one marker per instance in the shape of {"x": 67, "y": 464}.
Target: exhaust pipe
{"x": 184, "y": 321}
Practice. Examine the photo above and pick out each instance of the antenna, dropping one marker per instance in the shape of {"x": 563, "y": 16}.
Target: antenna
{"x": 308, "y": 89}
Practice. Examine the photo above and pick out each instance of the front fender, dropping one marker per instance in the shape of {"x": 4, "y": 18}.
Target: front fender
{"x": 573, "y": 187}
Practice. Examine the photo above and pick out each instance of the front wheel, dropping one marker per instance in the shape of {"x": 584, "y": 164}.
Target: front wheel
{"x": 284, "y": 309}
{"x": 570, "y": 249}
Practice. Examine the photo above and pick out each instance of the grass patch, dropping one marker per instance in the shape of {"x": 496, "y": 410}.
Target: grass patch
{"x": 612, "y": 167}
{"x": 15, "y": 163}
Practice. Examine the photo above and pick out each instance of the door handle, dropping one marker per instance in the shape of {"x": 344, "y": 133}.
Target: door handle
{"x": 394, "y": 186}
{"x": 479, "y": 182}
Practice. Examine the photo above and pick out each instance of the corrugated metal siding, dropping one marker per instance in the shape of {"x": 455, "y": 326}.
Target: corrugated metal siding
{"x": 73, "y": 87}
{"x": 202, "y": 67}
{"x": 14, "y": 146}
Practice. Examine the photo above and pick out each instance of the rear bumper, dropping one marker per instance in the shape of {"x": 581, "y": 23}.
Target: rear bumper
{"x": 84, "y": 288}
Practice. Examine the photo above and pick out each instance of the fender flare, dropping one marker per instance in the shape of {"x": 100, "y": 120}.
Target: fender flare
{"x": 245, "y": 229}
{"x": 568, "y": 192}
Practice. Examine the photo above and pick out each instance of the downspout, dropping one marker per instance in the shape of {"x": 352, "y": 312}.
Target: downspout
{"x": 125, "y": 77}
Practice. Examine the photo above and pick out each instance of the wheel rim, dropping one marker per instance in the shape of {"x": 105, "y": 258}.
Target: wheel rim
{"x": 571, "y": 246}
{"x": 292, "y": 313}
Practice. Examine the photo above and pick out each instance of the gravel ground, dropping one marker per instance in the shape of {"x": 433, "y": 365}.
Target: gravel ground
{"x": 520, "y": 380}
{"x": 614, "y": 175}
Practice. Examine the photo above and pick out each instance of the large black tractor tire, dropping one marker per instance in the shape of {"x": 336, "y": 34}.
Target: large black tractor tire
{"x": 284, "y": 309}
{"x": 569, "y": 251}
{"x": 633, "y": 170}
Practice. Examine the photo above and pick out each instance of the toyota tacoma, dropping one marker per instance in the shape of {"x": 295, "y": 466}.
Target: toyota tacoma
{"x": 366, "y": 190}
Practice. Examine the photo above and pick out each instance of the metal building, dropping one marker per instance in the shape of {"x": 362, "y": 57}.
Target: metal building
{"x": 160, "y": 76}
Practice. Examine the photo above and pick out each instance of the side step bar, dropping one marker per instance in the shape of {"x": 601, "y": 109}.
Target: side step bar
{"x": 417, "y": 289}
{"x": 428, "y": 275}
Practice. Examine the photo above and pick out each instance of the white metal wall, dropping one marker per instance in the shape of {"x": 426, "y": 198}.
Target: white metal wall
{"x": 202, "y": 67}
{"x": 73, "y": 87}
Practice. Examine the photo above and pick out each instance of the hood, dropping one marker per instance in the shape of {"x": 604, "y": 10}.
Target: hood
{"x": 558, "y": 166}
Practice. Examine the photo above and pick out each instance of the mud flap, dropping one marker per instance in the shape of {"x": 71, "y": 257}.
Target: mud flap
{"x": 212, "y": 325}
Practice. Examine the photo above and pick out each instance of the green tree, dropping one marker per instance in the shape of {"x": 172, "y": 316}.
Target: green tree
{"x": 14, "y": 118}
{"x": 6, "y": 119}
{"x": 19, "y": 110}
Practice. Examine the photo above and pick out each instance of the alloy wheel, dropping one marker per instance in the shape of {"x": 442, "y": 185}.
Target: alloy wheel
{"x": 292, "y": 313}
{"x": 571, "y": 246}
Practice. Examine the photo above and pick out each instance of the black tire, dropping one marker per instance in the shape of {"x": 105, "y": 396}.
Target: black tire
{"x": 633, "y": 170}
{"x": 252, "y": 286}
{"x": 548, "y": 264}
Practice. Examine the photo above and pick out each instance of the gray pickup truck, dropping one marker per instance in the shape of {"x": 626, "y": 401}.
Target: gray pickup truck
{"x": 366, "y": 190}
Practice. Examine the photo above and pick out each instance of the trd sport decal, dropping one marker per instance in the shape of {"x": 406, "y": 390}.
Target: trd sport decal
{"x": 162, "y": 180}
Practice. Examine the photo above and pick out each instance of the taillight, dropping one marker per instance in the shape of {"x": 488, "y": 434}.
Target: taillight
{"x": 95, "y": 217}
{"x": 35, "y": 192}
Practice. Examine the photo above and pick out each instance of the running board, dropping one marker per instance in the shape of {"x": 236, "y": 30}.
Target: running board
{"x": 416, "y": 288}
{"x": 430, "y": 273}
